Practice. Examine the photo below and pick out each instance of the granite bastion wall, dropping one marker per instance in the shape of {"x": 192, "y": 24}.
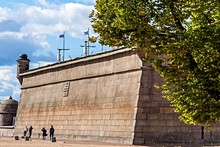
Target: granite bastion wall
{"x": 93, "y": 98}
{"x": 108, "y": 97}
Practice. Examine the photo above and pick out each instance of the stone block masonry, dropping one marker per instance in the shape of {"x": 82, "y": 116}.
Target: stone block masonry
{"x": 108, "y": 97}
{"x": 157, "y": 123}
{"x": 91, "y": 98}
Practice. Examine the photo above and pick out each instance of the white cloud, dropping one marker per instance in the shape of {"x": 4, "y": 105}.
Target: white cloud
{"x": 6, "y": 73}
{"x": 4, "y": 13}
{"x": 13, "y": 35}
{"x": 38, "y": 20}
{"x": 49, "y": 19}
{"x": 9, "y": 85}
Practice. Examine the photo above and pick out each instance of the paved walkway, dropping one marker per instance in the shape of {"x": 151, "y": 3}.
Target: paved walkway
{"x": 11, "y": 142}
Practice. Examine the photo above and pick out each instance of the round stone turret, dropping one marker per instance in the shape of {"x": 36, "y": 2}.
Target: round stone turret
{"x": 8, "y": 110}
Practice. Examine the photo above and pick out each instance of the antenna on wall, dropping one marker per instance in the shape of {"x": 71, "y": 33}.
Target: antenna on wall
{"x": 86, "y": 48}
{"x": 59, "y": 54}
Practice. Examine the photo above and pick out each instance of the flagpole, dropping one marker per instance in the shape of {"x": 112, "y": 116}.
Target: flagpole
{"x": 88, "y": 42}
{"x": 63, "y": 44}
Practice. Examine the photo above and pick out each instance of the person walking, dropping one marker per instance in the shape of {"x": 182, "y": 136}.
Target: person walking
{"x": 30, "y": 131}
{"x": 44, "y": 133}
{"x": 51, "y": 132}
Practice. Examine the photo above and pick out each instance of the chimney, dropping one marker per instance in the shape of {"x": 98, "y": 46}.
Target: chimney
{"x": 22, "y": 66}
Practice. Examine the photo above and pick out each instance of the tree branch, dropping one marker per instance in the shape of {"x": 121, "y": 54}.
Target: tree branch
{"x": 176, "y": 19}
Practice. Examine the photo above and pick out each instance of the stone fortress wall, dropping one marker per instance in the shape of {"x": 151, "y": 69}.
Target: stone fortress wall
{"x": 93, "y": 98}
{"x": 107, "y": 97}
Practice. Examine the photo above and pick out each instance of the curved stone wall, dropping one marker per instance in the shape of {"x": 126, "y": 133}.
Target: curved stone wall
{"x": 8, "y": 110}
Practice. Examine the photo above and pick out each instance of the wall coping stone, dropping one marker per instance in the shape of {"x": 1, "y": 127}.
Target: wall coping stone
{"x": 76, "y": 60}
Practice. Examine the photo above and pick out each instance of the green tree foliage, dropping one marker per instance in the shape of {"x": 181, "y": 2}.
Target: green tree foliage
{"x": 183, "y": 33}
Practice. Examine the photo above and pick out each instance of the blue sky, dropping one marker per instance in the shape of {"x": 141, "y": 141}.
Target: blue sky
{"x": 33, "y": 27}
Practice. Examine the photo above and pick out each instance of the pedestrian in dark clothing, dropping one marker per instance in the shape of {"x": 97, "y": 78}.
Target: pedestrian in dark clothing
{"x": 44, "y": 134}
{"x": 51, "y": 132}
{"x": 25, "y": 131}
{"x": 30, "y": 131}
